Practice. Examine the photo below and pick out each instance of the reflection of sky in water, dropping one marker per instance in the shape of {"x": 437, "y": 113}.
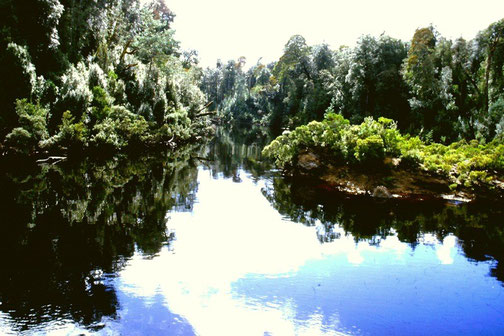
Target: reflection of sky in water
{"x": 239, "y": 268}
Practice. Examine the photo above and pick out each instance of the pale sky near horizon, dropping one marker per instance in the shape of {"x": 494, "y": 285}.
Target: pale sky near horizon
{"x": 229, "y": 29}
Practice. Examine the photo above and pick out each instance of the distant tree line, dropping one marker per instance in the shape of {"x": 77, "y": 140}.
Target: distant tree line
{"x": 88, "y": 74}
{"x": 440, "y": 89}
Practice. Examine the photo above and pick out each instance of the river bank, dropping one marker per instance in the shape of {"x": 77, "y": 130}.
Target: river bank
{"x": 390, "y": 181}
{"x": 375, "y": 159}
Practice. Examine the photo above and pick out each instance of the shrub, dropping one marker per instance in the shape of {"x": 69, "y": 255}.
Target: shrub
{"x": 19, "y": 140}
{"x": 74, "y": 94}
{"x": 105, "y": 135}
{"x": 370, "y": 149}
{"x": 101, "y": 105}
{"x": 461, "y": 163}
{"x": 71, "y": 134}
{"x": 32, "y": 127}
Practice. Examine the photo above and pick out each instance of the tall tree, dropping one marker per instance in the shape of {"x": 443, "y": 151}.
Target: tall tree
{"x": 428, "y": 73}
{"x": 491, "y": 42}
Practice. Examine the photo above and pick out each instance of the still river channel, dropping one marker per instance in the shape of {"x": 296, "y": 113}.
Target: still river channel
{"x": 214, "y": 241}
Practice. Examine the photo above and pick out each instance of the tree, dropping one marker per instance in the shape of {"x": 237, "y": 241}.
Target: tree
{"x": 293, "y": 73}
{"x": 155, "y": 40}
{"x": 21, "y": 83}
{"x": 87, "y": 62}
{"x": 491, "y": 43}
{"x": 467, "y": 93}
{"x": 368, "y": 81}
{"x": 430, "y": 81}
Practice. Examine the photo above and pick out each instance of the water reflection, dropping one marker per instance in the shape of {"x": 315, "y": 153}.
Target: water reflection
{"x": 238, "y": 148}
{"x": 249, "y": 272}
{"x": 208, "y": 242}
{"x": 224, "y": 244}
{"x": 478, "y": 228}
{"x": 68, "y": 228}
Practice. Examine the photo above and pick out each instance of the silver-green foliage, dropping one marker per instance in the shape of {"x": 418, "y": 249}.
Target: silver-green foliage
{"x": 461, "y": 163}
{"x": 372, "y": 140}
{"x": 31, "y": 128}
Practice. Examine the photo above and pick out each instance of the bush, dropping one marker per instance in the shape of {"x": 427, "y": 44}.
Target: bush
{"x": 74, "y": 94}
{"x": 32, "y": 127}
{"x": 101, "y": 105}
{"x": 132, "y": 128}
{"x": 19, "y": 140}
{"x": 370, "y": 149}
{"x": 70, "y": 135}
{"x": 461, "y": 163}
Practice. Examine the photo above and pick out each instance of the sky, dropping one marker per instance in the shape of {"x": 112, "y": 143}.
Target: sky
{"x": 228, "y": 29}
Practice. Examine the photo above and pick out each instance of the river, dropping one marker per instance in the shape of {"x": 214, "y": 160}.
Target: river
{"x": 213, "y": 241}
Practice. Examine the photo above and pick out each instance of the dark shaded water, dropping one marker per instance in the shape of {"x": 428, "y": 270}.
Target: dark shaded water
{"x": 212, "y": 241}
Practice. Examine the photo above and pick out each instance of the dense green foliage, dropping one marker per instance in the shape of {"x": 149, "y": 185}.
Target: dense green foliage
{"x": 87, "y": 74}
{"x": 436, "y": 88}
{"x": 461, "y": 163}
{"x": 110, "y": 75}
{"x": 450, "y": 92}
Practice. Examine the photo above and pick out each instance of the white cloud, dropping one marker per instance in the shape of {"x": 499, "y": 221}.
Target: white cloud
{"x": 221, "y": 242}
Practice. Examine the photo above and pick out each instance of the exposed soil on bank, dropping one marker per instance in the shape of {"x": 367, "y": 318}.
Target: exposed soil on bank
{"x": 387, "y": 180}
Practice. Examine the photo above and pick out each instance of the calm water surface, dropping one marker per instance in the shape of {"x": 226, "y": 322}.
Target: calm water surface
{"x": 213, "y": 241}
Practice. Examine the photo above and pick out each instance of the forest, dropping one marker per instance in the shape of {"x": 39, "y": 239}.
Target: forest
{"x": 144, "y": 193}
{"x": 430, "y": 105}
{"x": 83, "y": 75}
{"x": 111, "y": 76}
{"x": 436, "y": 88}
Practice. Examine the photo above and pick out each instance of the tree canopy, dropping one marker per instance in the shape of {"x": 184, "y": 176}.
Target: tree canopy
{"x": 105, "y": 73}
{"x": 433, "y": 87}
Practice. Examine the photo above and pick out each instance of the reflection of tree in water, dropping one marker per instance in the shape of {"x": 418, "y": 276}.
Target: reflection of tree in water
{"x": 238, "y": 148}
{"x": 65, "y": 227}
{"x": 479, "y": 228}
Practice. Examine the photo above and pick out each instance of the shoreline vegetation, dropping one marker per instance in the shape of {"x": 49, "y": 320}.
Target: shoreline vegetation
{"x": 375, "y": 159}
{"x": 95, "y": 77}
{"x": 389, "y": 118}
{"x": 419, "y": 120}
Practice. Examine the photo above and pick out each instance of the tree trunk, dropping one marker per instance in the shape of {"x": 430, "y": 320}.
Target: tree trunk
{"x": 125, "y": 49}
{"x": 487, "y": 79}
{"x": 491, "y": 49}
